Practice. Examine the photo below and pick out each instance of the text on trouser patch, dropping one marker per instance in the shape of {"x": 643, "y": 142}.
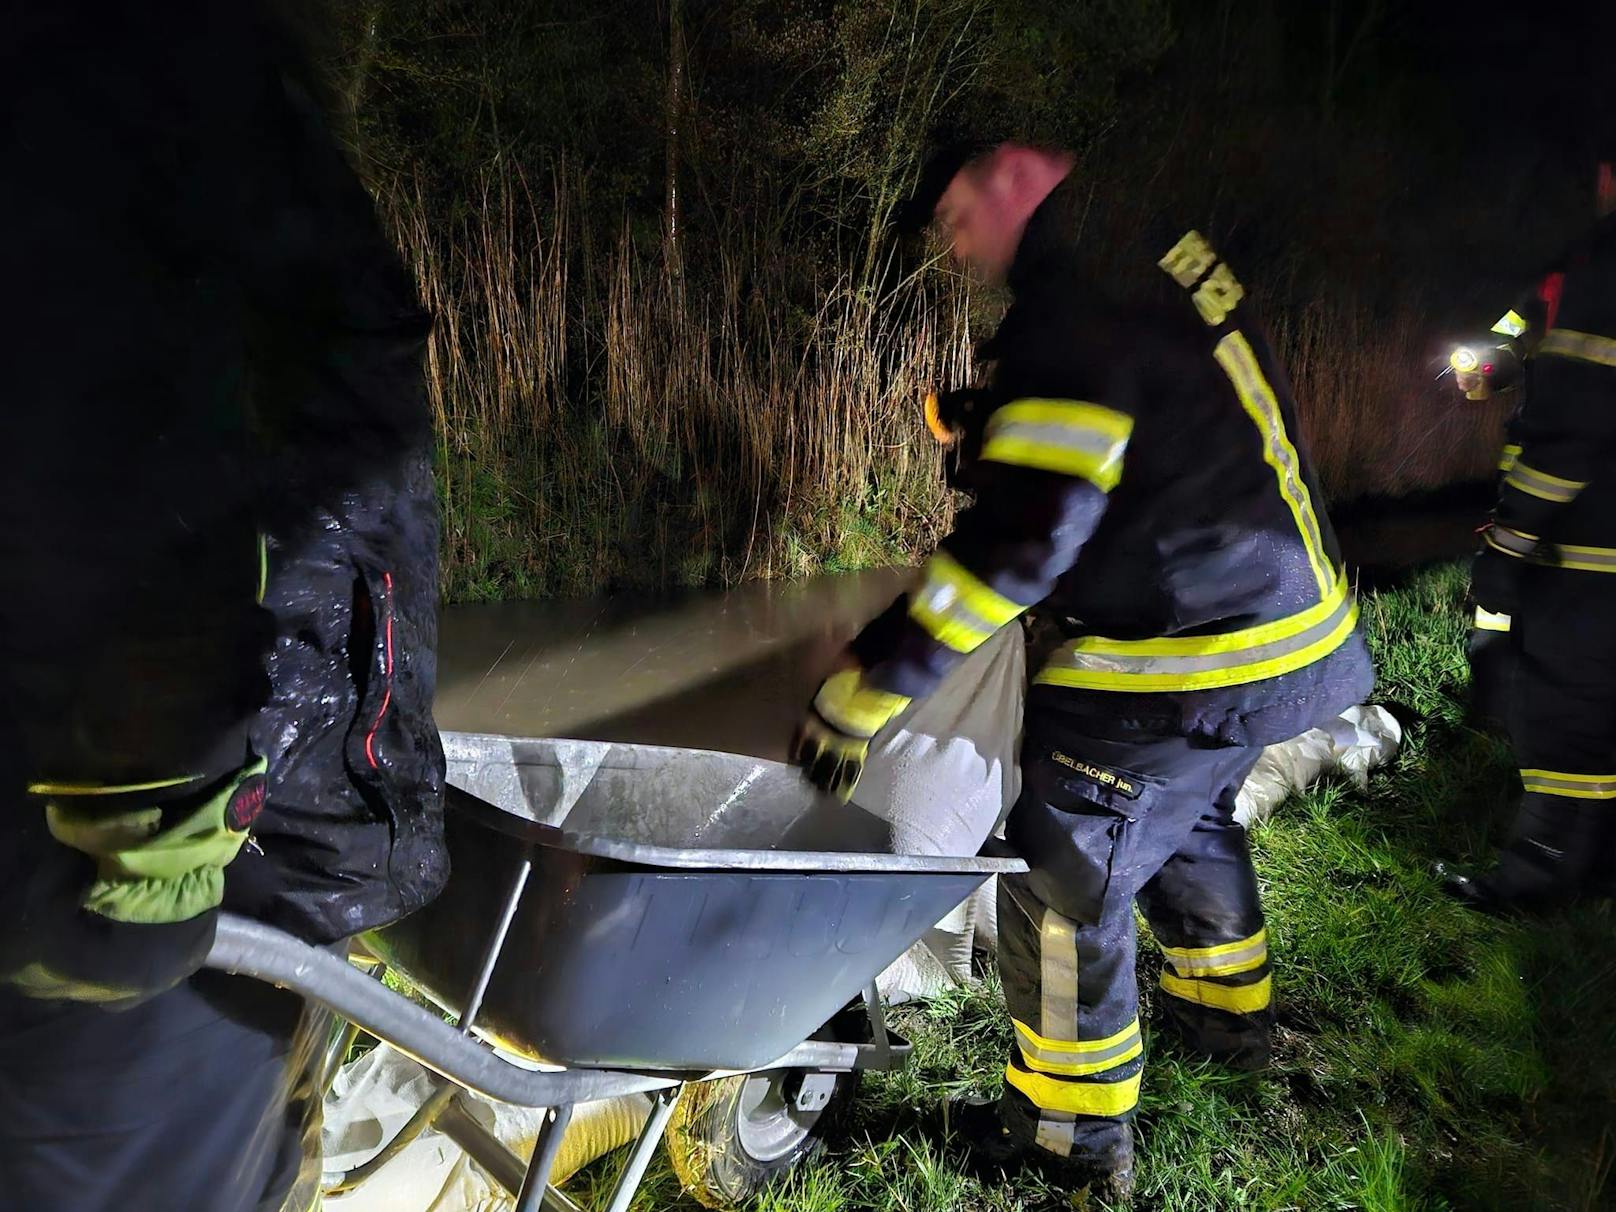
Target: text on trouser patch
{"x": 1108, "y": 779}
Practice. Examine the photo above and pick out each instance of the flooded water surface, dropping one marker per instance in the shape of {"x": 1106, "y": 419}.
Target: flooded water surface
{"x": 720, "y": 670}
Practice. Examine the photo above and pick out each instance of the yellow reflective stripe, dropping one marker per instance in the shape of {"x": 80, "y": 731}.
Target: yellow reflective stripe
{"x": 1225, "y": 959}
{"x": 1046, "y": 1043}
{"x": 1487, "y": 620}
{"x": 1542, "y": 484}
{"x": 1507, "y": 457}
{"x": 1573, "y": 786}
{"x": 1237, "y": 999}
{"x": 1511, "y": 324}
{"x": 1080, "y": 1098}
{"x": 1230, "y": 641}
{"x": 108, "y": 788}
{"x": 1220, "y": 949}
{"x": 1239, "y": 362}
{"x": 1199, "y": 662}
{"x": 858, "y": 710}
{"x": 1071, "y": 437}
{"x": 1585, "y": 559}
{"x": 263, "y": 567}
{"x": 1580, "y": 346}
{"x": 957, "y": 608}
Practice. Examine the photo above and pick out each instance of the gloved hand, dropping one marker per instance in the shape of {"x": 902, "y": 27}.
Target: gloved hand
{"x": 133, "y": 912}
{"x": 75, "y": 955}
{"x": 833, "y": 740}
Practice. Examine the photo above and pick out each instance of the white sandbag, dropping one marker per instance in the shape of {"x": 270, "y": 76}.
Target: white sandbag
{"x": 942, "y": 776}
{"x": 1361, "y": 739}
{"x": 375, "y": 1096}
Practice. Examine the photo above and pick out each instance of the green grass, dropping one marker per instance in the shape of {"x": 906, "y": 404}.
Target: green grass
{"x": 1428, "y": 1059}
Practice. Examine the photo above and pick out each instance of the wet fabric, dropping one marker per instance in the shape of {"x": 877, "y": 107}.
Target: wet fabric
{"x": 220, "y": 345}
{"x": 197, "y": 1099}
{"x": 1106, "y": 824}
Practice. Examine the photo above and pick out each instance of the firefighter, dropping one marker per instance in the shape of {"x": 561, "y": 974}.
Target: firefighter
{"x": 1544, "y": 581}
{"x": 216, "y": 598}
{"x": 1139, "y": 480}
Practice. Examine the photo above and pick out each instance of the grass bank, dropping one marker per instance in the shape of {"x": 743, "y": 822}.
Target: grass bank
{"x": 1428, "y": 1059}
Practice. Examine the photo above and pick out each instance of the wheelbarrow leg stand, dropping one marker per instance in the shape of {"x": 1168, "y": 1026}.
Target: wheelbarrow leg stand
{"x": 545, "y": 1148}
{"x": 628, "y": 1182}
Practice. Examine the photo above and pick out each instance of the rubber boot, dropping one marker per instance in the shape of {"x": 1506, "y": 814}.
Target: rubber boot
{"x": 1102, "y": 1162}
{"x": 1236, "y": 1041}
{"x": 1559, "y": 854}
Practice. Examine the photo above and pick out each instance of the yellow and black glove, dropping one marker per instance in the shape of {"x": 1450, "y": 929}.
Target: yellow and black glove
{"x": 833, "y": 740}
{"x": 144, "y": 919}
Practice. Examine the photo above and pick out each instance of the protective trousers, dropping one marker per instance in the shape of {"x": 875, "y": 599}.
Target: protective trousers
{"x": 1105, "y": 824}
{"x": 199, "y": 1099}
{"x": 1563, "y": 727}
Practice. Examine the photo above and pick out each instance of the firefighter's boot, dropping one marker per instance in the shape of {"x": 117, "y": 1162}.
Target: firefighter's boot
{"x": 1102, "y": 1163}
{"x": 1558, "y": 854}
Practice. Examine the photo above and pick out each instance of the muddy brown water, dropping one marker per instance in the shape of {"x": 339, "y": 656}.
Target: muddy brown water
{"x": 710, "y": 670}
{"x": 732, "y": 670}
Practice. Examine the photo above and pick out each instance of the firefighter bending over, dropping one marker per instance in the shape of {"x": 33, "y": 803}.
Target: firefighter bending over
{"x": 1139, "y": 480}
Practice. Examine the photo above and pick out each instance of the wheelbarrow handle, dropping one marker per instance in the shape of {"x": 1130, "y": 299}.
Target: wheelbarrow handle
{"x": 247, "y": 948}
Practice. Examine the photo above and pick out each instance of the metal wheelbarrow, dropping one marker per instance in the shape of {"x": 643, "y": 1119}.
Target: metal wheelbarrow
{"x": 635, "y": 919}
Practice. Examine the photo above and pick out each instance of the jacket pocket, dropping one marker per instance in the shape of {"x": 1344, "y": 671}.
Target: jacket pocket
{"x": 375, "y": 656}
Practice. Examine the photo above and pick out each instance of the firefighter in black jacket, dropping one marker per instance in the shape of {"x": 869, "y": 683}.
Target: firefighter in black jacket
{"x": 216, "y": 598}
{"x": 1139, "y": 480}
{"x": 1544, "y": 582}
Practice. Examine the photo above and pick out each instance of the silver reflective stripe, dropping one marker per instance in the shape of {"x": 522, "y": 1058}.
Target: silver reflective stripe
{"x": 1510, "y": 542}
{"x": 1081, "y": 1053}
{"x": 1541, "y": 484}
{"x": 1071, "y": 658}
{"x": 1584, "y": 559}
{"x": 1103, "y": 446}
{"x": 1057, "y": 1013}
{"x": 1228, "y": 962}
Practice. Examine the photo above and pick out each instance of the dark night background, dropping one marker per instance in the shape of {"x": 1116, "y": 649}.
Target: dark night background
{"x": 647, "y": 390}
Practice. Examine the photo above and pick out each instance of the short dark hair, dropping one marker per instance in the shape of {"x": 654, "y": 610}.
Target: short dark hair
{"x": 940, "y": 168}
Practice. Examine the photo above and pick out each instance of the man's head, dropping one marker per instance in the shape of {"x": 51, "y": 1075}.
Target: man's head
{"x": 984, "y": 207}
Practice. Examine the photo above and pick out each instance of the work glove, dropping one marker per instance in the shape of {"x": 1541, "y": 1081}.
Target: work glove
{"x": 833, "y": 741}
{"x": 133, "y": 912}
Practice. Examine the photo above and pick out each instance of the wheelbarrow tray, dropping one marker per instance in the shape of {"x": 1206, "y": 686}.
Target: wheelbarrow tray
{"x": 626, "y": 951}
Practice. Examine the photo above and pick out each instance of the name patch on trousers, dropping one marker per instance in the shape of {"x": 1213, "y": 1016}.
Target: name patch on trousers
{"x": 1111, "y": 780}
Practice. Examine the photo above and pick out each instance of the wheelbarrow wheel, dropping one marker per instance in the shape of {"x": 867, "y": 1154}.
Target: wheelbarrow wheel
{"x": 728, "y": 1139}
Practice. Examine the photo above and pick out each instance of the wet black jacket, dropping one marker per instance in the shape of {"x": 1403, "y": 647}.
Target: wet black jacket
{"x": 1140, "y": 480}
{"x": 212, "y": 341}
